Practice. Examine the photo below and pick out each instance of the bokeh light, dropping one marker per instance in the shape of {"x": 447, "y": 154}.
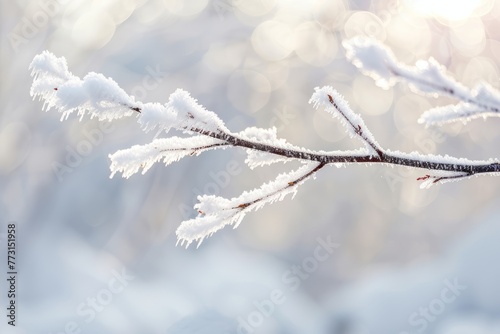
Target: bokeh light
{"x": 254, "y": 63}
{"x": 93, "y": 29}
{"x": 273, "y": 40}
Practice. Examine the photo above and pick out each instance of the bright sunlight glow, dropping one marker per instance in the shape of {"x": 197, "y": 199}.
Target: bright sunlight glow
{"x": 449, "y": 10}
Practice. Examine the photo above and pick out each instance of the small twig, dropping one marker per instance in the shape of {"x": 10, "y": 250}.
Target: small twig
{"x": 357, "y": 129}
{"x": 290, "y": 184}
{"x": 449, "y": 91}
{"x": 194, "y": 149}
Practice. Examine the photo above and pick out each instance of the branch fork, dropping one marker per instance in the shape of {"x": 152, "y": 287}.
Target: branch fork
{"x": 101, "y": 97}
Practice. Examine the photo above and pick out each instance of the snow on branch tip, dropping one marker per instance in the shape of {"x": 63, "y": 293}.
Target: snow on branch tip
{"x": 335, "y": 104}
{"x": 101, "y": 97}
{"x": 167, "y": 150}
{"x": 215, "y": 212}
{"x": 61, "y": 90}
{"x": 427, "y": 77}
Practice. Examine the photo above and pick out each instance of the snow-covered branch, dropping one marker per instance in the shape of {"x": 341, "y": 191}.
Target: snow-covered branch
{"x": 131, "y": 160}
{"x": 335, "y": 104}
{"x": 426, "y": 77}
{"x": 101, "y": 97}
{"x": 215, "y": 212}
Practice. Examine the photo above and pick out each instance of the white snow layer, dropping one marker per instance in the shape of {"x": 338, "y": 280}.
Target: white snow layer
{"x": 215, "y": 212}
{"x": 377, "y": 61}
{"x": 335, "y": 104}
{"x": 443, "y": 176}
{"x": 256, "y": 158}
{"x": 426, "y": 77}
{"x": 191, "y": 115}
{"x": 265, "y": 136}
{"x": 485, "y": 102}
{"x": 131, "y": 160}
{"x": 96, "y": 94}
{"x": 373, "y": 59}
{"x": 102, "y": 97}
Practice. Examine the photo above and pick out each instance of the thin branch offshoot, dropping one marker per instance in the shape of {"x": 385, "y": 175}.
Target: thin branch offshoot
{"x": 101, "y": 97}
{"x": 426, "y": 77}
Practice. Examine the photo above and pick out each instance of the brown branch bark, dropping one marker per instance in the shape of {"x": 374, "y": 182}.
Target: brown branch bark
{"x": 383, "y": 156}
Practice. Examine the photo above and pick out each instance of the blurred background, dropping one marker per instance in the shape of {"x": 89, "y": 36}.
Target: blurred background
{"x": 98, "y": 255}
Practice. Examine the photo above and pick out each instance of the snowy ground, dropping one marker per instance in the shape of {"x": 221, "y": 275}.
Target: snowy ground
{"x": 359, "y": 250}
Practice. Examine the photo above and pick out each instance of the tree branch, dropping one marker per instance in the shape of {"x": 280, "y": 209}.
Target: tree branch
{"x": 426, "y": 77}
{"x": 102, "y": 97}
{"x": 216, "y": 212}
